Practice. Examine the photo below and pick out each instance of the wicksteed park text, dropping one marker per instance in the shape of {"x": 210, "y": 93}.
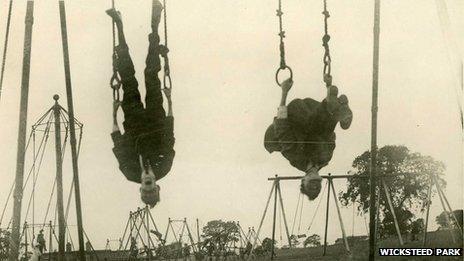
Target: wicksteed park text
{"x": 420, "y": 251}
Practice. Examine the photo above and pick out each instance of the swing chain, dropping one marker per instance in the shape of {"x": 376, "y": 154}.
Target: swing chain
{"x": 325, "y": 42}
{"x": 283, "y": 65}
{"x": 115, "y": 81}
{"x": 167, "y": 82}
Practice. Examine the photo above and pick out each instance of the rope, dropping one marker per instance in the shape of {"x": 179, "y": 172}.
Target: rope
{"x": 325, "y": 42}
{"x": 283, "y": 65}
{"x": 317, "y": 207}
{"x": 115, "y": 81}
{"x": 5, "y": 46}
{"x": 296, "y": 212}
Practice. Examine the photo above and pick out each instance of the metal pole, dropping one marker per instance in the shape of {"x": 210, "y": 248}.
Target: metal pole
{"x": 20, "y": 158}
{"x": 198, "y": 232}
{"x": 392, "y": 211}
{"x": 373, "y": 161}
{"x": 448, "y": 205}
{"x": 342, "y": 226}
{"x": 59, "y": 179}
{"x": 283, "y": 214}
{"x": 167, "y": 230}
{"x": 25, "y": 238}
{"x": 429, "y": 195}
{"x": 50, "y": 243}
{"x": 190, "y": 236}
{"x": 444, "y": 210}
{"x": 72, "y": 130}
{"x": 274, "y": 219}
{"x": 148, "y": 232}
{"x": 260, "y": 223}
{"x": 326, "y": 218}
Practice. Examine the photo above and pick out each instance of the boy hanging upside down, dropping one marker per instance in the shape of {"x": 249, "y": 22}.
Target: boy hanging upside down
{"x": 304, "y": 133}
{"x": 145, "y": 151}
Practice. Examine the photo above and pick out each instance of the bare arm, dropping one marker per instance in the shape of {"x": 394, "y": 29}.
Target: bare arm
{"x": 116, "y": 105}
{"x": 167, "y": 92}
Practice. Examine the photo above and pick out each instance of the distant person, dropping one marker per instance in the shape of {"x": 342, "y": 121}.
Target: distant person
{"x": 304, "y": 133}
{"x": 36, "y": 253}
{"x": 145, "y": 151}
{"x": 41, "y": 244}
{"x": 68, "y": 247}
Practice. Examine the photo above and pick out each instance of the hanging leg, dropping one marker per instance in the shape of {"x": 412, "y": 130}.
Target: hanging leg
{"x": 342, "y": 227}
{"x": 326, "y": 218}
{"x": 154, "y": 97}
{"x": 131, "y": 104}
{"x": 392, "y": 211}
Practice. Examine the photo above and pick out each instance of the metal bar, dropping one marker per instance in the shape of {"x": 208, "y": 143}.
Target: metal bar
{"x": 326, "y": 218}
{"x": 59, "y": 180}
{"x": 339, "y": 176}
{"x": 283, "y": 214}
{"x": 72, "y": 129}
{"x": 342, "y": 226}
{"x": 373, "y": 160}
{"x": 20, "y": 158}
{"x": 392, "y": 211}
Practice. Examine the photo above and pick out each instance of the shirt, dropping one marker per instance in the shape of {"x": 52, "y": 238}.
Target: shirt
{"x": 157, "y": 145}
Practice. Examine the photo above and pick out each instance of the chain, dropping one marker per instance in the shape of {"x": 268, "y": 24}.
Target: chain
{"x": 325, "y": 42}
{"x": 283, "y": 64}
{"x": 115, "y": 81}
{"x": 167, "y": 82}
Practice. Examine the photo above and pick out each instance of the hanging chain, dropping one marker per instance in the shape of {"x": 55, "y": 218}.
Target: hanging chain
{"x": 325, "y": 42}
{"x": 167, "y": 82}
{"x": 115, "y": 81}
{"x": 283, "y": 64}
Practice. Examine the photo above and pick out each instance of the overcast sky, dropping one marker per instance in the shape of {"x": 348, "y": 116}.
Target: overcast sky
{"x": 223, "y": 58}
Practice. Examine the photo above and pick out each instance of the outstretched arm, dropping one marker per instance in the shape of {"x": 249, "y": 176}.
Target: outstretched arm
{"x": 286, "y": 86}
{"x": 167, "y": 92}
{"x": 116, "y": 105}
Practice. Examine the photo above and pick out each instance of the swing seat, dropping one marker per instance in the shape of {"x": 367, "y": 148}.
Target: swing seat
{"x": 301, "y": 236}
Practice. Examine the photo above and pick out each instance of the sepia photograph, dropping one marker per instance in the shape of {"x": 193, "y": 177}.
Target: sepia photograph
{"x": 231, "y": 130}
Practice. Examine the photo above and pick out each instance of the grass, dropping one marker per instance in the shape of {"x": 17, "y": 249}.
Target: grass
{"x": 359, "y": 250}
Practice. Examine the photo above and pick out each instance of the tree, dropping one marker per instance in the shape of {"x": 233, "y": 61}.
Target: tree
{"x": 267, "y": 244}
{"x": 442, "y": 220}
{"x": 219, "y": 234}
{"x": 417, "y": 227}
{"x": 408, "y": 178}
{"x": 4, "y": 244}
{"x": 312, "y": 241}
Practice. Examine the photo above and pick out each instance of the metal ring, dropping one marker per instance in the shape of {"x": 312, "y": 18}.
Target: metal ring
{"x": 168, "y": 77}
{"x": 282, "y": 69}
{"x": 115, "y": 82}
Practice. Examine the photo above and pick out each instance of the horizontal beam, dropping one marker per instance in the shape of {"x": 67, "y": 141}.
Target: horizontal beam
{"x": 329, "y": 176}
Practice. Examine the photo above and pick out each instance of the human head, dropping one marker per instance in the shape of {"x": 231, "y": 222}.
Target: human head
{"x": 149, "y": 190}
{"x": 311, "y": 183}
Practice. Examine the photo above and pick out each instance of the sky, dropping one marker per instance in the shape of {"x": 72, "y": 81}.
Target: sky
{"x": 223, "y": 57}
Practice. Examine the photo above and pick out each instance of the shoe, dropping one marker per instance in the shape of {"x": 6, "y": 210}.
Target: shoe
{"x": 345, "y": 115}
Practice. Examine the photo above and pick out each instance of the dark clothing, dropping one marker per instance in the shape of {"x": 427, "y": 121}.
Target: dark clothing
{"x": 147, "y": 131}
{"x": 307, "y": 135}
